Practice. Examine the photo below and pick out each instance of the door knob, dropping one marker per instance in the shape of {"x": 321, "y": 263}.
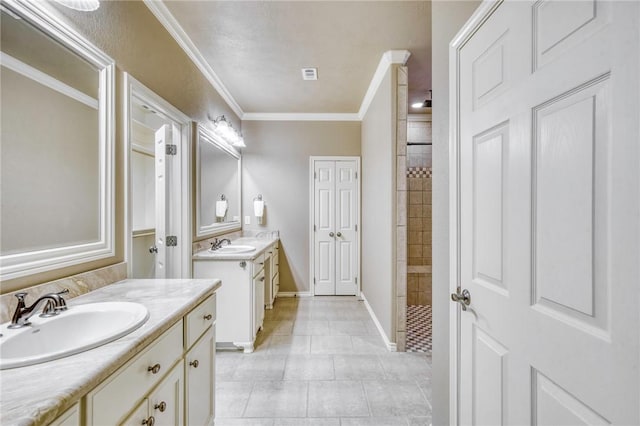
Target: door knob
{"x": 339, "y": 234}
{"x": 331, "y": 234}
{"x": 463, "y": 298}
{"x": 153, "y": 249}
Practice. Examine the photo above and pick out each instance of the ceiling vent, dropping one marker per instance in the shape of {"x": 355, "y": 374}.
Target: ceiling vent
{"x": 309, "y": 73}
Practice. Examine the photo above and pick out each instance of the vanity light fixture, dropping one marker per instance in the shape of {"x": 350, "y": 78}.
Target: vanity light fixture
{"x": 223, "y": 128}
{"x": 82, "y": 5}
{"x": 425, "y": 104}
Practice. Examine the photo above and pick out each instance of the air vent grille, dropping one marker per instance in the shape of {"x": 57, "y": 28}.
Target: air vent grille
{"x": 309, "y": 73}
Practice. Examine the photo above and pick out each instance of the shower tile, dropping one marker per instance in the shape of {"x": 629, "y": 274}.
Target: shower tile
{"x": 415, "y": 197}
{"x": 415, "y": 237}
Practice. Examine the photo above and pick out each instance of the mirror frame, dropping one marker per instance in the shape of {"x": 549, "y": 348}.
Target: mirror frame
{"x": 37, "y": 261}
{"x": 204, "y": 135}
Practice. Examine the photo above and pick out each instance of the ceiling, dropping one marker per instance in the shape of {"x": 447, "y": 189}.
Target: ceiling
{"x": 257, "y": 49}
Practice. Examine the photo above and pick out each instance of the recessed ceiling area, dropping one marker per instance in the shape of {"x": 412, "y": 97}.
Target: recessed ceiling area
{"x": 258, "y": 48}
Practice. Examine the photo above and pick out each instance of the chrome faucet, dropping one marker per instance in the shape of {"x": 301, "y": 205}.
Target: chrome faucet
{"x": 216, "y": 244}
{"x": 55, "y": 304}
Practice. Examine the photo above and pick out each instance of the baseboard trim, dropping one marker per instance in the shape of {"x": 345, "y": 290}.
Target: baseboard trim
{"x": 294, "y": 294}
{"x": 391, "y": 347}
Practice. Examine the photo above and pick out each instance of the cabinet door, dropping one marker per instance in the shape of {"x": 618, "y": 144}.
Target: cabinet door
{"x": 258, "y": 303}
{"x": 71, "y": 417}
{"x": 200, "y": 377}
{"x": 166, "y": 402}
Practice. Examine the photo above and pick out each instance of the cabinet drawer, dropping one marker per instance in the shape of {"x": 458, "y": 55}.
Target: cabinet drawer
{"x": 125, "y": 388}
{"x": 199, "y": 320}
{"x": 258, "y": 264}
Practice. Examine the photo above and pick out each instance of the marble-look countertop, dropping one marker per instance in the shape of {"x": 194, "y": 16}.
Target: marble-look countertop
{"x": 37, "y": 394}
{"x": 261, "y": 244}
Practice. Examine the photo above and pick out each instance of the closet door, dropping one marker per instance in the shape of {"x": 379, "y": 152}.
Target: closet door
{"x": 335, "y": 216}
{"x": 324, "y": 220}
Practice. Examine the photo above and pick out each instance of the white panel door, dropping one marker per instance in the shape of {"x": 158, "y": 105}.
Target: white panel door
{"x": 162, "y": 137}
{"x": 335, "y": 227}
{"x": 346, "y": 215}
{"x": 324, "y": 235}
{"x": 548, "y": 221}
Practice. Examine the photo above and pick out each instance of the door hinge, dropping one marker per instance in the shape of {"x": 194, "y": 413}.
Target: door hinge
{"x": 315, "y": 175}
{"x": 171, "y": 149}
{"x": 314, "y": 280}
{"x": 356, "y": 175}
{"x": 356, "y": 280}
{"x": 172, "y": 240}
{"x": 314, "y": 228}
{"x": 356, "y": 227}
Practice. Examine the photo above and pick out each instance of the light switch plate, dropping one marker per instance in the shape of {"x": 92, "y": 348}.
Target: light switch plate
{"x": 247, "y": 220}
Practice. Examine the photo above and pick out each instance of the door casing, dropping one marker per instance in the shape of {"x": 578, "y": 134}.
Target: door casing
{"x": 312, "y": 161}
{"x": 133, "y": 88}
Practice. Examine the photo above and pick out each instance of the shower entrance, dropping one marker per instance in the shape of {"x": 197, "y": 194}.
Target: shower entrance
{"x": 418, "y": 175}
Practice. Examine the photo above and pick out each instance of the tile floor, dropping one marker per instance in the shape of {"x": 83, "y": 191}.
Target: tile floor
{"x": 320, "y": 361}
{"x": 419, "y": 328}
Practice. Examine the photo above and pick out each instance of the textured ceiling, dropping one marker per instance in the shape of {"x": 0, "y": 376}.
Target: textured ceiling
{"x": 257, "y": 48}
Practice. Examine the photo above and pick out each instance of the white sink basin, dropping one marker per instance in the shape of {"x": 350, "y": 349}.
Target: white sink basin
{"x": 233, "y": 249}
{"x": 78, "y": 329}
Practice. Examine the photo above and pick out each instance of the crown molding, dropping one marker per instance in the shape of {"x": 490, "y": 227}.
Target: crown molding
{"x": 292, "y": 116}
{"x": 388, "y": 58}
{"x": 170, "y": 23}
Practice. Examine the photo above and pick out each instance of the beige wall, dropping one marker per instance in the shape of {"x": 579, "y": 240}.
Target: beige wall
{"x": 131, "y": 35}
{"x": 276, "y": 165}
{"x": 447, "y": 17}
{"x": 379, "y": 204}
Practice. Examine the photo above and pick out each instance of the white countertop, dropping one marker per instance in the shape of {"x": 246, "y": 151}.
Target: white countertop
{"x": 37, "y": 394}
{"x": 261, "y": 244}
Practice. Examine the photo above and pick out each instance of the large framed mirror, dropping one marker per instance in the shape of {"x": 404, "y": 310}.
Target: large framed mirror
{"x": 218, "y": 185}
{"x": 56, "y": 148}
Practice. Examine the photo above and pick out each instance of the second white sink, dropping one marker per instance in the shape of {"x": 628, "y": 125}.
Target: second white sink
{"x": 80, "y": 328}
{"x": 233, "y": 249}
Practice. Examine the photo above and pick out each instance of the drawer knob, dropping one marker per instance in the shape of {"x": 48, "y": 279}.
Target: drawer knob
{"x": 194, "y": 363}
{"x": 150, "y": 421}
{"x": 162, "y": 406}
{"x": 155, "y": 369}
{"x": 208, "y": 317}
{"x": 262, "y": 279}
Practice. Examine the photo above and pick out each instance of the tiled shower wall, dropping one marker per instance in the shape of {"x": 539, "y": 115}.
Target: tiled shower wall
{"x": 419, "y": 214}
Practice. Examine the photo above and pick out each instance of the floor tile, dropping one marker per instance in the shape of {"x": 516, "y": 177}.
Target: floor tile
{"x": 405, "y": 366}
{"x": 374, "y": 421}
{"x": 278, "y": 327}
{"x": 358, "y": 367}
{"x": 368, "y": 345}
{"x": 309, "y": 367}
{"x": 244, "y": 422}
{"x": 395, "y": 398}
{"x": 311, "y": 328}
{"x": 231, "y": 398}
{"x": 255, "y": 367}
{"x": 226, "y": 364}
{"x": 331, "y": 345}
{"x": 285, "y": 345}
{"x": 307, "y": 422}
{"x": 420, "y": 421}
{"x": 278, "y": 399}
{"x": 348, "y": 328}
{"x": 337, "y": 398}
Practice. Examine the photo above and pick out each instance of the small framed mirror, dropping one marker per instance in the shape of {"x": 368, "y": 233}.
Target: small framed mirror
{"x": 56, "y": 149}
{"x": 218, "y": 186}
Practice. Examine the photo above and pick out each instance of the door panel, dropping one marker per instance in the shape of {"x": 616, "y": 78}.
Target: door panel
{"x": 324, "y": 220}
{"x": 346, "y": 217}
{"x": 548, "y": 180}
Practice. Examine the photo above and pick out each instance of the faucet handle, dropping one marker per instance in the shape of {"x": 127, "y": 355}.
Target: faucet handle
{"x": 21, "y": 296}
{"x": 64, "y": 291}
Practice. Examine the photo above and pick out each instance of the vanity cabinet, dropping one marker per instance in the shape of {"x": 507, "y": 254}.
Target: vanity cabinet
{"x": 171, "y": 382}
{"x": 71, "y": 417}
{"x": 247, "y": 287}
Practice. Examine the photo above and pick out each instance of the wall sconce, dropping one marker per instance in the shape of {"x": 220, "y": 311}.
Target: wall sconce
{"x": 223, "y": 128}
{"x": 258, "y": 208}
